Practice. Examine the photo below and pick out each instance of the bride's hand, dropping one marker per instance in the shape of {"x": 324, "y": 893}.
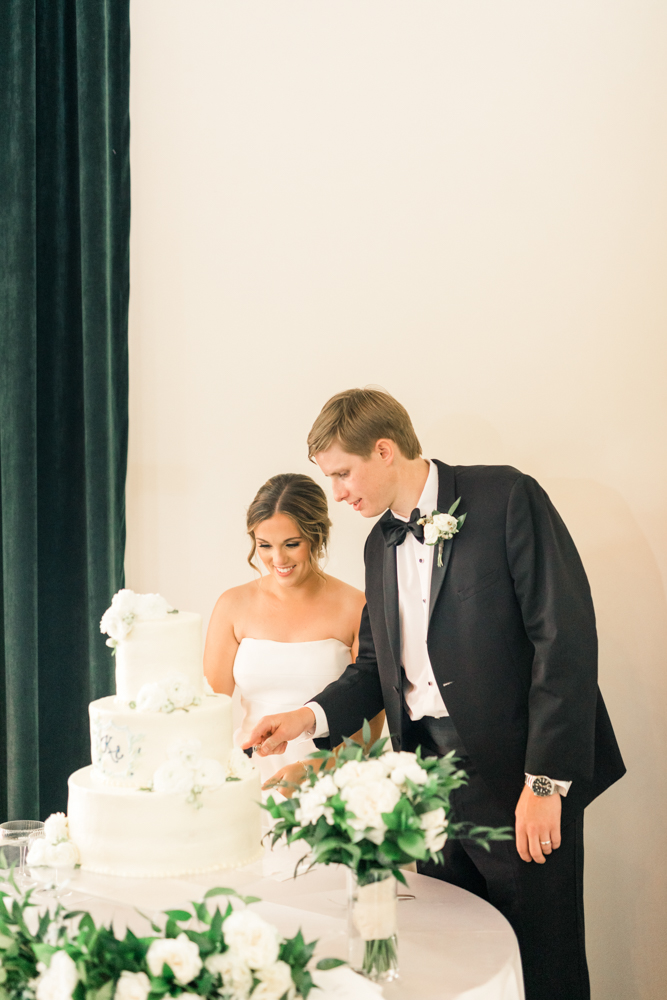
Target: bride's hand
{"x": 272, "y": 733}
{"x": 292, "y": 774}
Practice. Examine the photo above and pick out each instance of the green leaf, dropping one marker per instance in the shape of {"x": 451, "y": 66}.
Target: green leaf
{"x": 454, "y": 506}
{"x": 105, "y": 992}
{"x": 378, "y": 747}
{"x": 413, "y": 844}
{"x": 329, "y": 963}
{"x": 220, "y": 891}
{"x": 178, "y": 914}
{"x": 461, "y": 519}
{"x": 366, "y": 731}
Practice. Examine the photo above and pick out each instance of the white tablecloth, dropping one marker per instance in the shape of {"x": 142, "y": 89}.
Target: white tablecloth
{"x": 451, "y": 944}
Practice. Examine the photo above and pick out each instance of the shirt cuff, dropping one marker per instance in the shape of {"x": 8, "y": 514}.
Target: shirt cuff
{"x": 321, "y": 727}
{"x": 563, "y": 787}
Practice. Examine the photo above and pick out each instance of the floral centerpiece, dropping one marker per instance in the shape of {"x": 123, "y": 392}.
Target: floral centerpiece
{"x": 375, "y": 812}
{"x": 233, "y": 954}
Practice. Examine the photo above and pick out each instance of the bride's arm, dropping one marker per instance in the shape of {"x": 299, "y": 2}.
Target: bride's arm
{"x": 221, "y": 646}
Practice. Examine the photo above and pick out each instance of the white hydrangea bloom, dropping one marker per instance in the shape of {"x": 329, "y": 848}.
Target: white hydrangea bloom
{"x": 63, "y": 855}
{"x": 313, "y": 804}
{"x": 359, "y": 770}
{"x": 180, "y": 954}
{"x": 58, "y": 982}
{"x": 416, "y": 774}
{"x": 55, "y": 828}
{"x": 132, "y": 986}
{"x": 253, "y": 940}
{"x": 128, "y": 607}
{"x": 274, "y": 982}
{"x": 209, "y": 773}
{"x": 397, "y": 758}
{"x": 368, "y": 800}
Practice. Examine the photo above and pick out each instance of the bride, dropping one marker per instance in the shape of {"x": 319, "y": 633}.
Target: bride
{"x": 282, "y": 638}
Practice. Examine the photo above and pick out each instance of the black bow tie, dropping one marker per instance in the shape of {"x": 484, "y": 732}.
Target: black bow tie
{"x": 395, "y": 530}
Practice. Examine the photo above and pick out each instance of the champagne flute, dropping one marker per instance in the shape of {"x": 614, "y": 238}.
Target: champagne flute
{"x": 15, "y": 833}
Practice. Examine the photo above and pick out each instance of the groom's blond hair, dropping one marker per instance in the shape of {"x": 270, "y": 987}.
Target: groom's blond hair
{"x": 357, "y": 418}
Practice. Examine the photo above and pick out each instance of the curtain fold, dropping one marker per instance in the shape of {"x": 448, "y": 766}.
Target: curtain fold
{"x": 64, "y": 290}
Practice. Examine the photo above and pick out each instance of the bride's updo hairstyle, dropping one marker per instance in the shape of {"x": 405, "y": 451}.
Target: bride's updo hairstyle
{"x": 300, "y": 498}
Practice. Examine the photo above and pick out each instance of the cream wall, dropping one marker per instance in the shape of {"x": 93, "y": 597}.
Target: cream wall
{"x": 464, "y": 202}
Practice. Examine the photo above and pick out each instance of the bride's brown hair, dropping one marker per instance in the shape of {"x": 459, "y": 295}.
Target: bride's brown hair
{"x": 300, "y": 498}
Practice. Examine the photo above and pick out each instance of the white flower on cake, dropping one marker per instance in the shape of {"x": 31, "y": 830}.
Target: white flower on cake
{"x": 132, "y": 986}
{"x": 209, "y": 773}
{"x": 180, "y": 954}
{"x": 187, "y": 772}
{"x": 173, "y": 776}
{"x": 239, "y": 765}
{"x": 174, "y": 691}
{"x": 274, "y": 982}
{"x": 208, "y": 690}
{"x": 235, "y": 973}
{"x": 127, "y": 608}
{"x": 187, "y": 751}
{"x": 252, "y": 939}
{"x": 58, "y": 982}
{"x": 54, "y": 849}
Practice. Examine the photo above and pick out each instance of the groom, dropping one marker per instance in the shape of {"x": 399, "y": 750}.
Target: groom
{"x": 492, "y": 654}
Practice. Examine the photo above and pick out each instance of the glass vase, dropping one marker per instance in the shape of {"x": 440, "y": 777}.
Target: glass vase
{"x": 372, "y": 925}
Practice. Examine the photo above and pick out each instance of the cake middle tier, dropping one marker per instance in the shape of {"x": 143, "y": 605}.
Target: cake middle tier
{"x": 127, "y": 746}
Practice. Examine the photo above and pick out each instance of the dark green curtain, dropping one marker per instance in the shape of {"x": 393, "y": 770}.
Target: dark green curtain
{"x": 64, "y": 287}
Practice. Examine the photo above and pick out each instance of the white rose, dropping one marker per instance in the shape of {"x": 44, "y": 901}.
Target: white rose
{"x": 435, "y": 841}
{"x": 172, "y": 776}
{"x": 397, "y": 758}
{"x": 132, "y": 986}
{"x": 255, "y": 941}
{"x": 434, "y": 824}
{"x": 59, "y": 980}
{"x": 187, "y": 751}
{"x": 359, "y": 770}
{"x": 236, "y": 976}
{"x": 180, "y": 954}
{"x": 416, "y": 774}
{"x": 179, "y": 691}
{"x": 239, "y": 765}
{"x": 431, "y": 533}
{"x": 37, "y": 855}
{"x": 55, "y": 828}
{"x": 274, "y": 982}
{"x": 151, "y": 697}
{"x": 445, "y": 523}
{"x": 326, "y": 785}
{"x": 209, "y": 773}
{"x": 368, "y": 800}
{"x": 313, "y": 804}
{"x": 117, "y": 621}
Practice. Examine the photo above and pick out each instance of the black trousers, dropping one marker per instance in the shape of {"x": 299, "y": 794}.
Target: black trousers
{"x": 543, "y": 903}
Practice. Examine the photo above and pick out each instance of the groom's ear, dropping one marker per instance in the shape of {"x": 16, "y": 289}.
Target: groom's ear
{"x": 385, "y": 449}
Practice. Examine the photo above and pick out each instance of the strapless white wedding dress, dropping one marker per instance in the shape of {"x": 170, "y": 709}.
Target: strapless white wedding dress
{"x": 279, "y": 677}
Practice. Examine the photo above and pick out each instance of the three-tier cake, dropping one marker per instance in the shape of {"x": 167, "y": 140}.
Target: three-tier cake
{"x": 166, "y": 793}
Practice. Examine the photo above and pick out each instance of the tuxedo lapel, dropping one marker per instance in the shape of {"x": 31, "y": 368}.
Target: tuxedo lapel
{"x": 446, "y": 497}
{"x": 390, "y": 587}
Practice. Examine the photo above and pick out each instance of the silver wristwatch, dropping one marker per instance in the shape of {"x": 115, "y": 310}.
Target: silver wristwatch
{"x": 540, "y": 785}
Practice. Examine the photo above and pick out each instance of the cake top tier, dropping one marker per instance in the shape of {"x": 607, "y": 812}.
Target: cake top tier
{"x": 153, "y": 643}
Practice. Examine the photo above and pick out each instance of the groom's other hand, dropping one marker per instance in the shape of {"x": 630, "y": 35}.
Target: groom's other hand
{"x": 537, "y": 825}
{"x": 272, "y": 733}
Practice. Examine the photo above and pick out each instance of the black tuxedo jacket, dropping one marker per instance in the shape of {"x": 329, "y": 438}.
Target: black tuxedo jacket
{"x": 511, "y": 639}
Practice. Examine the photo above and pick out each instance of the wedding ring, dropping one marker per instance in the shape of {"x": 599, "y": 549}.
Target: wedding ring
{"x": 257, "y": 747}
{"x": 545, "y": 843}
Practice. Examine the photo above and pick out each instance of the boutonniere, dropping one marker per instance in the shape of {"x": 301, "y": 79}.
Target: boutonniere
{"x": 439, "y": 528}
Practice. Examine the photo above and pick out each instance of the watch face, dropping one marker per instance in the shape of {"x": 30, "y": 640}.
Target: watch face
{"x": 542, "y": 785}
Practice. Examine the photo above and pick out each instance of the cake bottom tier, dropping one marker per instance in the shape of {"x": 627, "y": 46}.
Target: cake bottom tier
{"x": 121, "y": 831}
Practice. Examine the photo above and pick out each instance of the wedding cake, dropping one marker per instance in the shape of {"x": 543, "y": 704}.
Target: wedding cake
{"x": 166, "y": 793}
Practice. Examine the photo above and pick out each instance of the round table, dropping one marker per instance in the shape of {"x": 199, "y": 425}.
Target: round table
{"x": 451, "y": 944}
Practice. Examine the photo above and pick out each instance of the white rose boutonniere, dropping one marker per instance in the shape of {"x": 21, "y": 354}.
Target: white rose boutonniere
{"x": 439, "y": 528}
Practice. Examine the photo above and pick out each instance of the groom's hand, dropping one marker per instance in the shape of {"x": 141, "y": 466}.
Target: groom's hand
{"x": 271, "y": 734}
{"x": 537, "y": 825}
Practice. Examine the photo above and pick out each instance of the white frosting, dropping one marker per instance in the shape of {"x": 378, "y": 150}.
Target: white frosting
{"x": 155, "y": 649}
{"x": 128, "y": 746}
{"x": 131, "y": 833}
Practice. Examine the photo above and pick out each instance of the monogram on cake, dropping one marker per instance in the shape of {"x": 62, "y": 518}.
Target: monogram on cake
{"x": 166, "y": 794}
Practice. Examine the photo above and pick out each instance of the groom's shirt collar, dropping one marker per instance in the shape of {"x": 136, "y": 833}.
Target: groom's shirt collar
{"x": 428, "y": 501}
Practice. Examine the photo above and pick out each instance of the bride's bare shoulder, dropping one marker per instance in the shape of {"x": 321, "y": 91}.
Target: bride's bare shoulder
{"x": 236, "y": 599}
{"x": 345, "y": 592}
